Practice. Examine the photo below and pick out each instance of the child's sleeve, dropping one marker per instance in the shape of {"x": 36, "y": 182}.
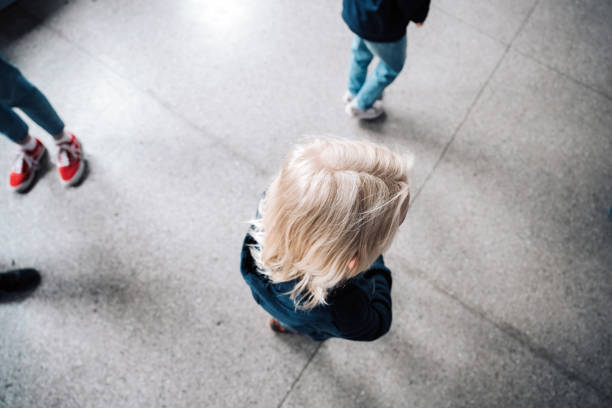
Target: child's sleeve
{"x": 415, "y": 10}
{"x": 359, "y": 315}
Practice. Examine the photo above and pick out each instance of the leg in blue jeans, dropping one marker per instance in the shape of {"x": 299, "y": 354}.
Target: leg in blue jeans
{"x": 12, "y": 125}
{"x": 392, "y": 57}
{"x": 359, "y": 65}
{"x": 16, "y": 91}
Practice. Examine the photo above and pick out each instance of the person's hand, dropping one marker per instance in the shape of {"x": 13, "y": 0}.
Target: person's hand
{"x": 419, "y": 24}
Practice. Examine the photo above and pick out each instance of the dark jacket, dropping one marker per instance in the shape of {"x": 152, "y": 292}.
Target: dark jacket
{"x": 383, "y": 20}
{"x": 360, "y": 309}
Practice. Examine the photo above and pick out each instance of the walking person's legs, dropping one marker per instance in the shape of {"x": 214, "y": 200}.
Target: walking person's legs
{"x": 17, "y": 92}
{"x": 392, "y": 57}
{"x": 358, "y": 70}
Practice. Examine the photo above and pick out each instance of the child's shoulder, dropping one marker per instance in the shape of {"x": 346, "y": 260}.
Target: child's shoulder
{"x": 352, "y": 289}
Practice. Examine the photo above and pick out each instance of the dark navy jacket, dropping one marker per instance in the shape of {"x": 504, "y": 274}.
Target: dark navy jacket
{"x": 360, "y": 309}
{"x": 383, "y": 20}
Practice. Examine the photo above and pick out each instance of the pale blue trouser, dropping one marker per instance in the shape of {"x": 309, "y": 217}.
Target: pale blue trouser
{"x": 392, "y": 56}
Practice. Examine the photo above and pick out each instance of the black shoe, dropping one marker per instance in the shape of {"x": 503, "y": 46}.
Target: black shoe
{"x": 19, "y": 280}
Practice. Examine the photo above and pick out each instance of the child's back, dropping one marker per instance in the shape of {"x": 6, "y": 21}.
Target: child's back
{"x": 313, "y": 256}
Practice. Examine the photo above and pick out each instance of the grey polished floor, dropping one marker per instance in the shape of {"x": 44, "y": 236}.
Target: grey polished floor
{"x": 502, "y": 272}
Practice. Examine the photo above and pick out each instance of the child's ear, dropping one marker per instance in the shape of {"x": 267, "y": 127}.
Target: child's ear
{"x": 353, "y": 263}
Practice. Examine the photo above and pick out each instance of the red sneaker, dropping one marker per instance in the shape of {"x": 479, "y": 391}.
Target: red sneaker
{"x": 278, "y": 328}
{"x": 25, "y": 167}
{"x": 70, "y": 163}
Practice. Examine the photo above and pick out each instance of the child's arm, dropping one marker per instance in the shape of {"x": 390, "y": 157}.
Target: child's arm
{"x": 415, "y": 12}
{"x": 362, "y": 317}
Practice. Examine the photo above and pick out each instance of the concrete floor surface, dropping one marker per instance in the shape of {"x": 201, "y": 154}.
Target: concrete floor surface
{"x": 502, "y": 272}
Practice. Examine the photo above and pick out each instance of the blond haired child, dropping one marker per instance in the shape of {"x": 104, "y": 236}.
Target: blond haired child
{"x": 313, "y": 257}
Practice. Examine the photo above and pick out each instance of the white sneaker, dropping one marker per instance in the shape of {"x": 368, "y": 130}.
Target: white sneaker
{"x": 372, "y": 113}
{"x": 348, "y": 97}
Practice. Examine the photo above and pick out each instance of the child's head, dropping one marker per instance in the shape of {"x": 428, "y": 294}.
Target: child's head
{"x": 335, "y": 206}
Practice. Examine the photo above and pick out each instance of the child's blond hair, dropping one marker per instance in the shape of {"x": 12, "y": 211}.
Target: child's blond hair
{"x": 334, "y": 201}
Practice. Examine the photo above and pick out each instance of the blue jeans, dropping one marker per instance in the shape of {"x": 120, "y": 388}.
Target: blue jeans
{"x": 392, "y": 56}
{"x": 18, "y": 92}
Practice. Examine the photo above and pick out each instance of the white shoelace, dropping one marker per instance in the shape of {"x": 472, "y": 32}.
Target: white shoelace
{"x": 64, "y": 149}
{"x": 22, "y": 157}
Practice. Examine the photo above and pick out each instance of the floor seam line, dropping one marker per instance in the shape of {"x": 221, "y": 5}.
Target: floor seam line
{"x": 563, "y": 74}
{"x": 516, "y": 334}
{"x": 473, "y": 104}
{"x": 507, "y": 329}
{"x": 459, "y": 127}
{"x": 280, "y": 404}
{"x": 470, "y": 25}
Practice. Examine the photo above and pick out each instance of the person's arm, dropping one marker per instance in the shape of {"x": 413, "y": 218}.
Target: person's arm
{"x": 416, "y": 11}
{"x": 361, "y": 317}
